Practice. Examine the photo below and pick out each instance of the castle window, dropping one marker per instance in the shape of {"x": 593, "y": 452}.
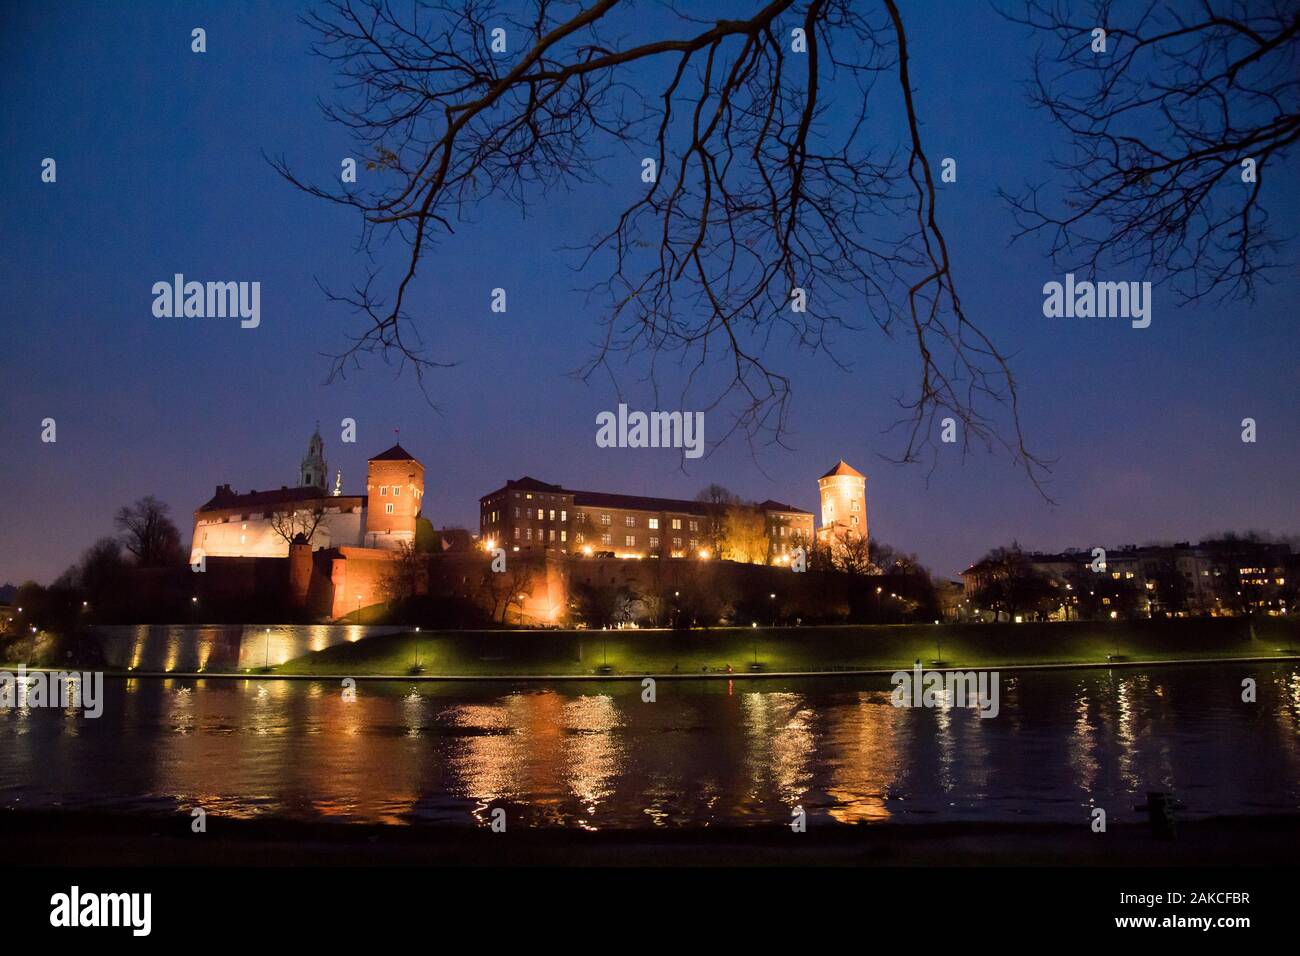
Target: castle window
{"x": 552, "y": 514}
{"x": 530, "y": 534}
{"x": 397, "y": 489}
{"x": 516, "y": 534}
{"x": 383, "y": 489}
{"x": 654, "y": 541}
{"x": 677, "y": 542}
{"x": 606, "y": 538}
{"x": 677, "y": 526}
{"x": 630, "y": 521}
{"x": 695, "y": 526}
{"x": 564, "y": 535}
{"x": 654, "y": 524}
{"x": 388, "y": 508}
{"x": 630, "y": 540}
{"x": 564, "y": 516}
{"x": 604, "y": 519}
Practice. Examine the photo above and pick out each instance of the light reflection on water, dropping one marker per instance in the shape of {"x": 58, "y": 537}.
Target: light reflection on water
{"x": 705, "y": 753}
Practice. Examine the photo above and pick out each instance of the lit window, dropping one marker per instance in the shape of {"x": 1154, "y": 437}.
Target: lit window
{"x": 630, "y": 540}
{"x": 604, "y": 519}
{"x": 564, "y": 516}
{"x": 677, "y": 526}
{"x": 606, "y": 538}
{"x": 653, "y": 523}
{"x": 629, "y": 520}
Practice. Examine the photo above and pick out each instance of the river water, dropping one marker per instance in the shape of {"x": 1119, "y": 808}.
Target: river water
{"x": 595, "y": 755}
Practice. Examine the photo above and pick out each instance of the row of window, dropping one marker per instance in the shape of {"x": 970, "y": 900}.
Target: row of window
{"x": 606, "y": 519}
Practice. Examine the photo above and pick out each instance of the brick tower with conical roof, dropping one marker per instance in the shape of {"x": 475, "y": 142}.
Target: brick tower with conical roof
{"x": 842, "y": 494}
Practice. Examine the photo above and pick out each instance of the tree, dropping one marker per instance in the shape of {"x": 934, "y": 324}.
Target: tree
{"x": 148, "y": 532}
{"x": 1006, "y": 582}
{"x": 1098, "y": 594}
{"x": 297, "y": 521}
{"x": 744, "y": 535}
{"x": 602, "y": 605}
{"x": 716, "y": 499}
{"x": 503, "y": 590}
{"x": 101, "y": 576}
{"x": 1178, "y": 132}
{"x": 406, "y": 575}
{"x": 852, "y": 554}
{"x": 780, "y": 209}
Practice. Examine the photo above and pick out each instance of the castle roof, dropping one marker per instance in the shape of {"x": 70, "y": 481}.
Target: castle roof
{"x": 396, "y": 453}
{"x": 843, "y": 468}
{"x": 225, "y": 498}
{"x": 604, "y": 499}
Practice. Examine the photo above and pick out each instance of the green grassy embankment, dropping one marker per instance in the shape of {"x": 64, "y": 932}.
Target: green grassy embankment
{"x": 537, "y": 653}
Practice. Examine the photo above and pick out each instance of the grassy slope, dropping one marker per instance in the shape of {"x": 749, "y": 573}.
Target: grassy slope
{"x": 792, "y": 649}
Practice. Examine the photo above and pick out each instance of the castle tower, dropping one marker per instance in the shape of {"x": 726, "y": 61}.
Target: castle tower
{"x": 313, "y": 473}
{"x": 395, "y": 490}
{"x": 842, "y": 492}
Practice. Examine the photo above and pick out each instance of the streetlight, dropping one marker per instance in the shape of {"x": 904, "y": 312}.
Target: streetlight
{"x": 358, "y": 608}
{"x": 266, "y": 663}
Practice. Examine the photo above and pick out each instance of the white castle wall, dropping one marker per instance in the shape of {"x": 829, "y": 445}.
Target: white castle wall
{"x": 253, "y": 537}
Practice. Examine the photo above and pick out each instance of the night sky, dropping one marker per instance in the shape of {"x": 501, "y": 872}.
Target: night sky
{"x": 161, "y": 170}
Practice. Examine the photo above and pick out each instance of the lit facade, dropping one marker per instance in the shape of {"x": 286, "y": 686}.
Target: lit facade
{"x": 260, "y": 524}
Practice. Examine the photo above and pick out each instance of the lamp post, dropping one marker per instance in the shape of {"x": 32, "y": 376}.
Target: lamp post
{"x": 266, "y": 661}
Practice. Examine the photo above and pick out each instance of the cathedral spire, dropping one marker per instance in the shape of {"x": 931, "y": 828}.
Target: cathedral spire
{"x": 314, "y": 473}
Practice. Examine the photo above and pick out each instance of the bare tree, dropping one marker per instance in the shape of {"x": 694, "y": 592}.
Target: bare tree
{"x": 149, "y": 533}
{"x": 1176, "y": 128}
{"x": 781, "y": 210}
{"x": 297, "y": 521}
{"x": 407, "y": 575}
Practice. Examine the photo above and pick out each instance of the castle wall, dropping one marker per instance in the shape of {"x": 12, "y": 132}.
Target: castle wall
{"x": 235, "y": 535}
{"x": 357, "y": 578}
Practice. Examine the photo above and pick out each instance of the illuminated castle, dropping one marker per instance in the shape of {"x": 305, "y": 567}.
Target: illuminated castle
{"x": 261, "y": 524}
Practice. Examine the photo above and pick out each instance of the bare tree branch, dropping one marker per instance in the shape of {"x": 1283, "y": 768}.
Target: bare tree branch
{"x": 1159, "y": 126}
{"x": 775, "y": 188}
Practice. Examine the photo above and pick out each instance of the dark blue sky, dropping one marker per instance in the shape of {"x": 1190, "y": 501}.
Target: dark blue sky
{"x": 160, "y": 170}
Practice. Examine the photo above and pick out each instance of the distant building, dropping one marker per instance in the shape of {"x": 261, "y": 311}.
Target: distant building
{"x": 261, "y": 524}
{"x": 531, "y": 515}
{"x": 1215, "y": 577}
